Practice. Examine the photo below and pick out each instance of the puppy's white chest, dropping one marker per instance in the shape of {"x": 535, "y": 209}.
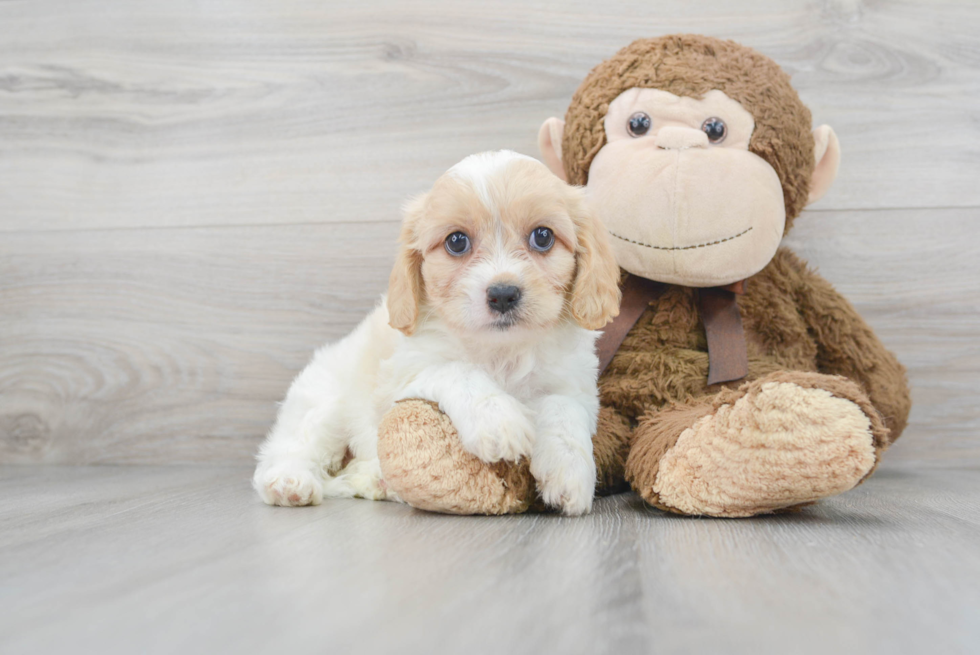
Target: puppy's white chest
{"x": 517, "y": 375}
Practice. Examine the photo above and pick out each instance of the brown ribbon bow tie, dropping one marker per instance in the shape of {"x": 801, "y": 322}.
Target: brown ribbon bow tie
{"x": 727, "y": 354}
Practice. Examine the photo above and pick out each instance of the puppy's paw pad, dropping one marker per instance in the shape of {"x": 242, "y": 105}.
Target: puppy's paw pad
{"x": 288, "y": 485}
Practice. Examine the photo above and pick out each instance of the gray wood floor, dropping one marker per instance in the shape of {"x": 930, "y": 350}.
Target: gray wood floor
{"x": 193, "y": 196}
{"x": 186, "y": 560}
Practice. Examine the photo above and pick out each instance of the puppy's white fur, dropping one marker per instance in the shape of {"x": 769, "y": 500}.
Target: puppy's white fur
{"x": 522, "y": 384}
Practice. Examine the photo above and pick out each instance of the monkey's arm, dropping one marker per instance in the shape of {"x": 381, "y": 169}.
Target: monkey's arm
{"x": 846, "y": 345}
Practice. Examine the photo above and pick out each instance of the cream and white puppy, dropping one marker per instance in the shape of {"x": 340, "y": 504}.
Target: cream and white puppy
{"x": 502, "y": 275}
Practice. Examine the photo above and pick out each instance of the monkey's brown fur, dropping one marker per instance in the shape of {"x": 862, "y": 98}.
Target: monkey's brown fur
{"x": 691, "y": 65}
{"x": 794, "y": 320}
{"x": 799, "y": 330}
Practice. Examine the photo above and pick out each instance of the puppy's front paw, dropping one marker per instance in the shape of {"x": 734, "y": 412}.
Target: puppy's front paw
{"x": 497, "y": 428}
{"x": 565, "y": 474}
{"x": 289, "y": 483}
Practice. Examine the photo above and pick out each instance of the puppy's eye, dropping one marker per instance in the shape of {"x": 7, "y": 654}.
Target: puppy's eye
{"x": 542, "y": 239}
{"x": 715, "y": 128}
{"x": 457, "y": 244}
{"x": 639, "y": 124}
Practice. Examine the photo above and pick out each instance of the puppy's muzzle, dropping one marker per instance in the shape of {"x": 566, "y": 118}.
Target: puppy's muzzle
{"x": 503, "y": 298}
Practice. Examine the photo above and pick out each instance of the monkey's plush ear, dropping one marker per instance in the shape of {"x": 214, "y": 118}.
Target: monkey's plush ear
{"x": 595, "y": 290}
{"x": 826, "y": 152}
{"x": 405, "y": 289}
{"x": 549, "y": 143}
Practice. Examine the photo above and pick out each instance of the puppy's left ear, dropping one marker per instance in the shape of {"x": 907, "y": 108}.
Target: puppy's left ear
{"x": 595, "y": 291}
{"x": 405, "y": 289}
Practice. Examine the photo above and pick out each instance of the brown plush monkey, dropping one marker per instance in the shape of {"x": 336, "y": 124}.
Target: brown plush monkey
{"x": 698, "y": 155}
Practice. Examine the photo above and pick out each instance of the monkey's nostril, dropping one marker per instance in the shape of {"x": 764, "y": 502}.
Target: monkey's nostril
{"x": 503, "y": 298}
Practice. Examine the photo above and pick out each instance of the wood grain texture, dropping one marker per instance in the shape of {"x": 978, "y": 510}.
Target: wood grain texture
{"x": 194, "y": 197}
{"x": 913, "y": 275}
{"x": 173, "y": 345}
{"x": 121, "y": 114}
{"x": 187, "y": 560}
{"x": 127, "y": 347}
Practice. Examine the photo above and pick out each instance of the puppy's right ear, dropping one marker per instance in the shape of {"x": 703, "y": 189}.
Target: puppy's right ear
{"x": 595, "y": 290}
{"x": 405, "y": 290}
{"x": 549, "y": 143}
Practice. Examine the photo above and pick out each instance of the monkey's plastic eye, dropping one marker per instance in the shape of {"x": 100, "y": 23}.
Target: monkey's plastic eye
{"x": 638, "y": 124}
{"x": 542, "y": 238}
{"x": 715, "y": 128}
{"x": 457, "y": 244}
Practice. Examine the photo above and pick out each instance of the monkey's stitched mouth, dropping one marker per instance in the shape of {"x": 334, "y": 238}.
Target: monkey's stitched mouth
{"x": 700, "y": 245}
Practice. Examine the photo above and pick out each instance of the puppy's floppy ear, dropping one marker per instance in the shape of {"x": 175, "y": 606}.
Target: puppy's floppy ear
{"x": 595, "y": 291}
{"x": 405, "y": 289}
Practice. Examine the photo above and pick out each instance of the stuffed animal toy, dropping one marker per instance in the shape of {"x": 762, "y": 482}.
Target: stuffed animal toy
{"x": 736, "y": 380}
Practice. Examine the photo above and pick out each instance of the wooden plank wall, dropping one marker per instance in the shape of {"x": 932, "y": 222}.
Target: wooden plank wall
{"x": 193, "y": 195}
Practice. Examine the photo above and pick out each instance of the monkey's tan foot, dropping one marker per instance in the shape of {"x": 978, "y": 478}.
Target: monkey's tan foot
{"x": 787, "y": 439}
{"x": 423, "y": 462}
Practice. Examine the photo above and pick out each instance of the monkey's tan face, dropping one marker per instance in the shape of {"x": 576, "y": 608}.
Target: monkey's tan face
{"x": 683, "y": 199}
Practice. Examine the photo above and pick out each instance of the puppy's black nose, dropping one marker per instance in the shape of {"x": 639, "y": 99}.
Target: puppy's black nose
{"x": 503, "y": 298}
